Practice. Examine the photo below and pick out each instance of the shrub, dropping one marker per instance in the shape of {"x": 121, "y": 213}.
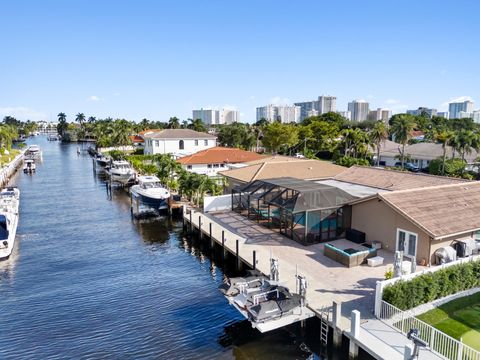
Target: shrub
{"x": 431, "y": 286}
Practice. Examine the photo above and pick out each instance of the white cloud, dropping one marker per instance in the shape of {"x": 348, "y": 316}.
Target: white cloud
{"x": 93, "y": 98}
{"x": 251, "y": 97}
{"x": 22, "y": 113}
{"x": 277, "y": 100}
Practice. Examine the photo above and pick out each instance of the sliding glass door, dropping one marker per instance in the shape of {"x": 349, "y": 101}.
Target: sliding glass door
{"x": 407, "y": 242}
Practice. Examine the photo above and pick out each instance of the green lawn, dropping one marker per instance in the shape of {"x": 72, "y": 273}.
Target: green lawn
{"x": 459, "y": 318}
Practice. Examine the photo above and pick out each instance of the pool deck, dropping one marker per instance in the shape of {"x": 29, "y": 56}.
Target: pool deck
{"x": 328, "y": 280}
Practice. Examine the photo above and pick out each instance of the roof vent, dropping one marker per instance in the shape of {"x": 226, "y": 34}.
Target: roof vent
{"x": 310, "y": 168}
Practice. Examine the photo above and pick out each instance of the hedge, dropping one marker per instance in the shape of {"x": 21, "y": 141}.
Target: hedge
{"x": 434, "y": 285}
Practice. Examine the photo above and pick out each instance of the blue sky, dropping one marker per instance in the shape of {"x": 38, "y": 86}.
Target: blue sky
{"x": 157, "y": 59}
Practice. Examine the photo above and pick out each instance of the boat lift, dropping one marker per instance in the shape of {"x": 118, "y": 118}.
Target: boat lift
{"x": 300, "y": 313}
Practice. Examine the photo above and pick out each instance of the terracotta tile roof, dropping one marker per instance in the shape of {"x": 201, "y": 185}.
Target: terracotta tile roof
{"x": 392, "y": 179}
{"x": 136, "y": 138}
{"x": 440, "y": 210}
{"x": 296, "y": 168}
{"x": 177, "y": 134}
{"x": 218, "y": 155}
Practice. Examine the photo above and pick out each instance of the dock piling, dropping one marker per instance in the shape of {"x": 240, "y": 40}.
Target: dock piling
{"x": 237, "y": 255}
{"x": 254, "y": 263}
{"x": 223, "y": 245}
{"x": 200, "y": 235}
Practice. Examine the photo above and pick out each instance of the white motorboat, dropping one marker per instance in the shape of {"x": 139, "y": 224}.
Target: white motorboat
{"x": 33, "y": 152}
{"x": 52, "y": 137}
{"x": 29, "y": 166}
{"x": 102, "y": 160}
{"x": 150, "y": 192}
{"x": 121, "y": 171}
{"x": 9, "y": 201}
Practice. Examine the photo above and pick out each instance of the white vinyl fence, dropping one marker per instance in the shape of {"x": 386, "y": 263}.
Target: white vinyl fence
{"x": 438, "y": 342}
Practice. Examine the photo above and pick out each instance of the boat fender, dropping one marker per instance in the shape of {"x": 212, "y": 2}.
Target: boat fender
{"x": 5, "y": 243}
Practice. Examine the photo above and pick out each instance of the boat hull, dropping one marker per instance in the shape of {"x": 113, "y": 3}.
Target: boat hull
{"x": 160, "y": 204}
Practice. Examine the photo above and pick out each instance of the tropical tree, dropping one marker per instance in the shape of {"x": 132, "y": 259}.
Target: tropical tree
{"x": 444, "y": 137}
{"x": 121, "y": 132}
{"x": 7, "y": 134}
{"x": 401, "y": 129}
{"x": 62, "y": 124}
{"x": 197, "y": 125}
{"x": 92, "y": 119}
{"x": 276, "y": 135}
{"x": 174, "y": 123}
{"x": 377, "y": 135}
{"x": 354, "y": 143}
{"x": 80, "y": 118}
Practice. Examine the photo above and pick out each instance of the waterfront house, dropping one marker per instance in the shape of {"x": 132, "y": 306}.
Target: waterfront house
{"x": 211, "y": 161}
{"x": 419, "y": 154}
{"x": 177, "y": 142}
{"x": 419, "y": 221}
{"x": 280, "y": 166}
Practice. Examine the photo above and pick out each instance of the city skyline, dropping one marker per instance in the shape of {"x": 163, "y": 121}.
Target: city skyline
{"x": 155, "y": 60}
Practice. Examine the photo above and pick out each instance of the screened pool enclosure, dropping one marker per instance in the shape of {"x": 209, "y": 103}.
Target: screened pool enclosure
{"x": 302, "y": 210}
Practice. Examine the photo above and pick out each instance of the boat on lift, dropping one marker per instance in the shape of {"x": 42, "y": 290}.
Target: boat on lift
{"x": 265, "y": 302}
{"x": 29, "y": 166}
{"x": 150, "y": 192}
{"x": 33, "y": 152}
{"x": 102, "y": 160}
{"x": 52, "y": 137}
{"x": 9, "y": 202}
{"x": 121, "y": 171}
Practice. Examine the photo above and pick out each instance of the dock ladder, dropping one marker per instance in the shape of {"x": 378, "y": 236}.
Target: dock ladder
{"x": 324, "y": 319}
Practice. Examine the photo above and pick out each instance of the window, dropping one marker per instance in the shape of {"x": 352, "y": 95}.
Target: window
{"x": 196, "y": 142}
{"x": 205, "y": 142}
{"x": 181, "y": 145}
{"x": 222, "y": 165}
{"x": 189, "y": 167}
{"x": 209, "y": 166}
{"x": 216, "y": 165}
{"x": 157, "y": 143}
{"x": 407, "y": 242}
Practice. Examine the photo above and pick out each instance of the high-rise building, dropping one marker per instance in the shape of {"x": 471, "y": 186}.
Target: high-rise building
{"x": 423, "y": 110}
{"x": 454, "y": 108}
{"x": 380, "y": 114}
{"x": 283, "y": 113}
{"x": 359, "y": 110}
{"x": 324, "y": 104}
{"x": 346, "y": 114}
{"x": 443, "y": 114}
{"x": 216, "y": 117}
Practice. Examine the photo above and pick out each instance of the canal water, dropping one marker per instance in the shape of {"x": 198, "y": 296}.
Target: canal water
{"x": 87, "y": 281}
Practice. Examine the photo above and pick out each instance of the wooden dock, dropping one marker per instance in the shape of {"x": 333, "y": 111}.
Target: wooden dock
{"x": 334, "y": 291}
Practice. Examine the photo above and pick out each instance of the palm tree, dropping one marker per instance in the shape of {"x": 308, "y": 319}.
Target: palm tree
{"x": 401, "y": 130}
{"x": 7, "y": 135}
{"x": 174, "y": 123}
{"x": 444, "y": 137}
{"x": 62, "y": 124}
{"x": 377, "y": 135}
{"x": 464, "y": 141}
{"x": 92, "y": 119}
{"x": 80, "y": 118}
{"x": 197, "y": 125}
{"x": 121, "y": 132}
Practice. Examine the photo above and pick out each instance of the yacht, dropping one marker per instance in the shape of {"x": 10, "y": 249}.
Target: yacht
{"x": 102, "y": 160}
{"x": 52, "y": 137}
{"x": 150, "y": 192}
{"x": 9, "y": 201}
{"x": 121, "y": 171}
{"x": 29, "y": 166}
{"x": 33, "y": 152}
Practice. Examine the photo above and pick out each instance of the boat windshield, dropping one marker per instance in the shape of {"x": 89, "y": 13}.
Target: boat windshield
{"x": 150, "y": 185}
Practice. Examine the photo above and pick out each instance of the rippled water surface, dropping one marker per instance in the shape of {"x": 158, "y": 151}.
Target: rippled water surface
{"x": 86, "y": 281}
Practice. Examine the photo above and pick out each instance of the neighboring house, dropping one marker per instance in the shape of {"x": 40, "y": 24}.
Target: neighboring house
{"x": 281, "y": 166}
{"x": 211, "y": 161}
{"x": 178, "y": 142}
{"x": 419, "y": 154}
{"x": 419, "y": 221}
{"x": 137, "y": 141}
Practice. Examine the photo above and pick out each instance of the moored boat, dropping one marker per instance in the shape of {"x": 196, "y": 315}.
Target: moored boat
{"x": 9, "y": 202}
{"x": 150, "y": 192}
{"x": 29, "y": 166}
{"x": 102, "y": 160}
{"x": 33, "y": 152}
{"x": 121, "y": 171}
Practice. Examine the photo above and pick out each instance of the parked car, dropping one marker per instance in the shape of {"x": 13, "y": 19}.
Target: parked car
{"x": 408, "y": 166}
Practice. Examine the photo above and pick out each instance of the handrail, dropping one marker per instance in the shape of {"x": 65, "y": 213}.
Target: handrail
{"x": 439, "y": 343}
{"x": 256, "y": 297}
